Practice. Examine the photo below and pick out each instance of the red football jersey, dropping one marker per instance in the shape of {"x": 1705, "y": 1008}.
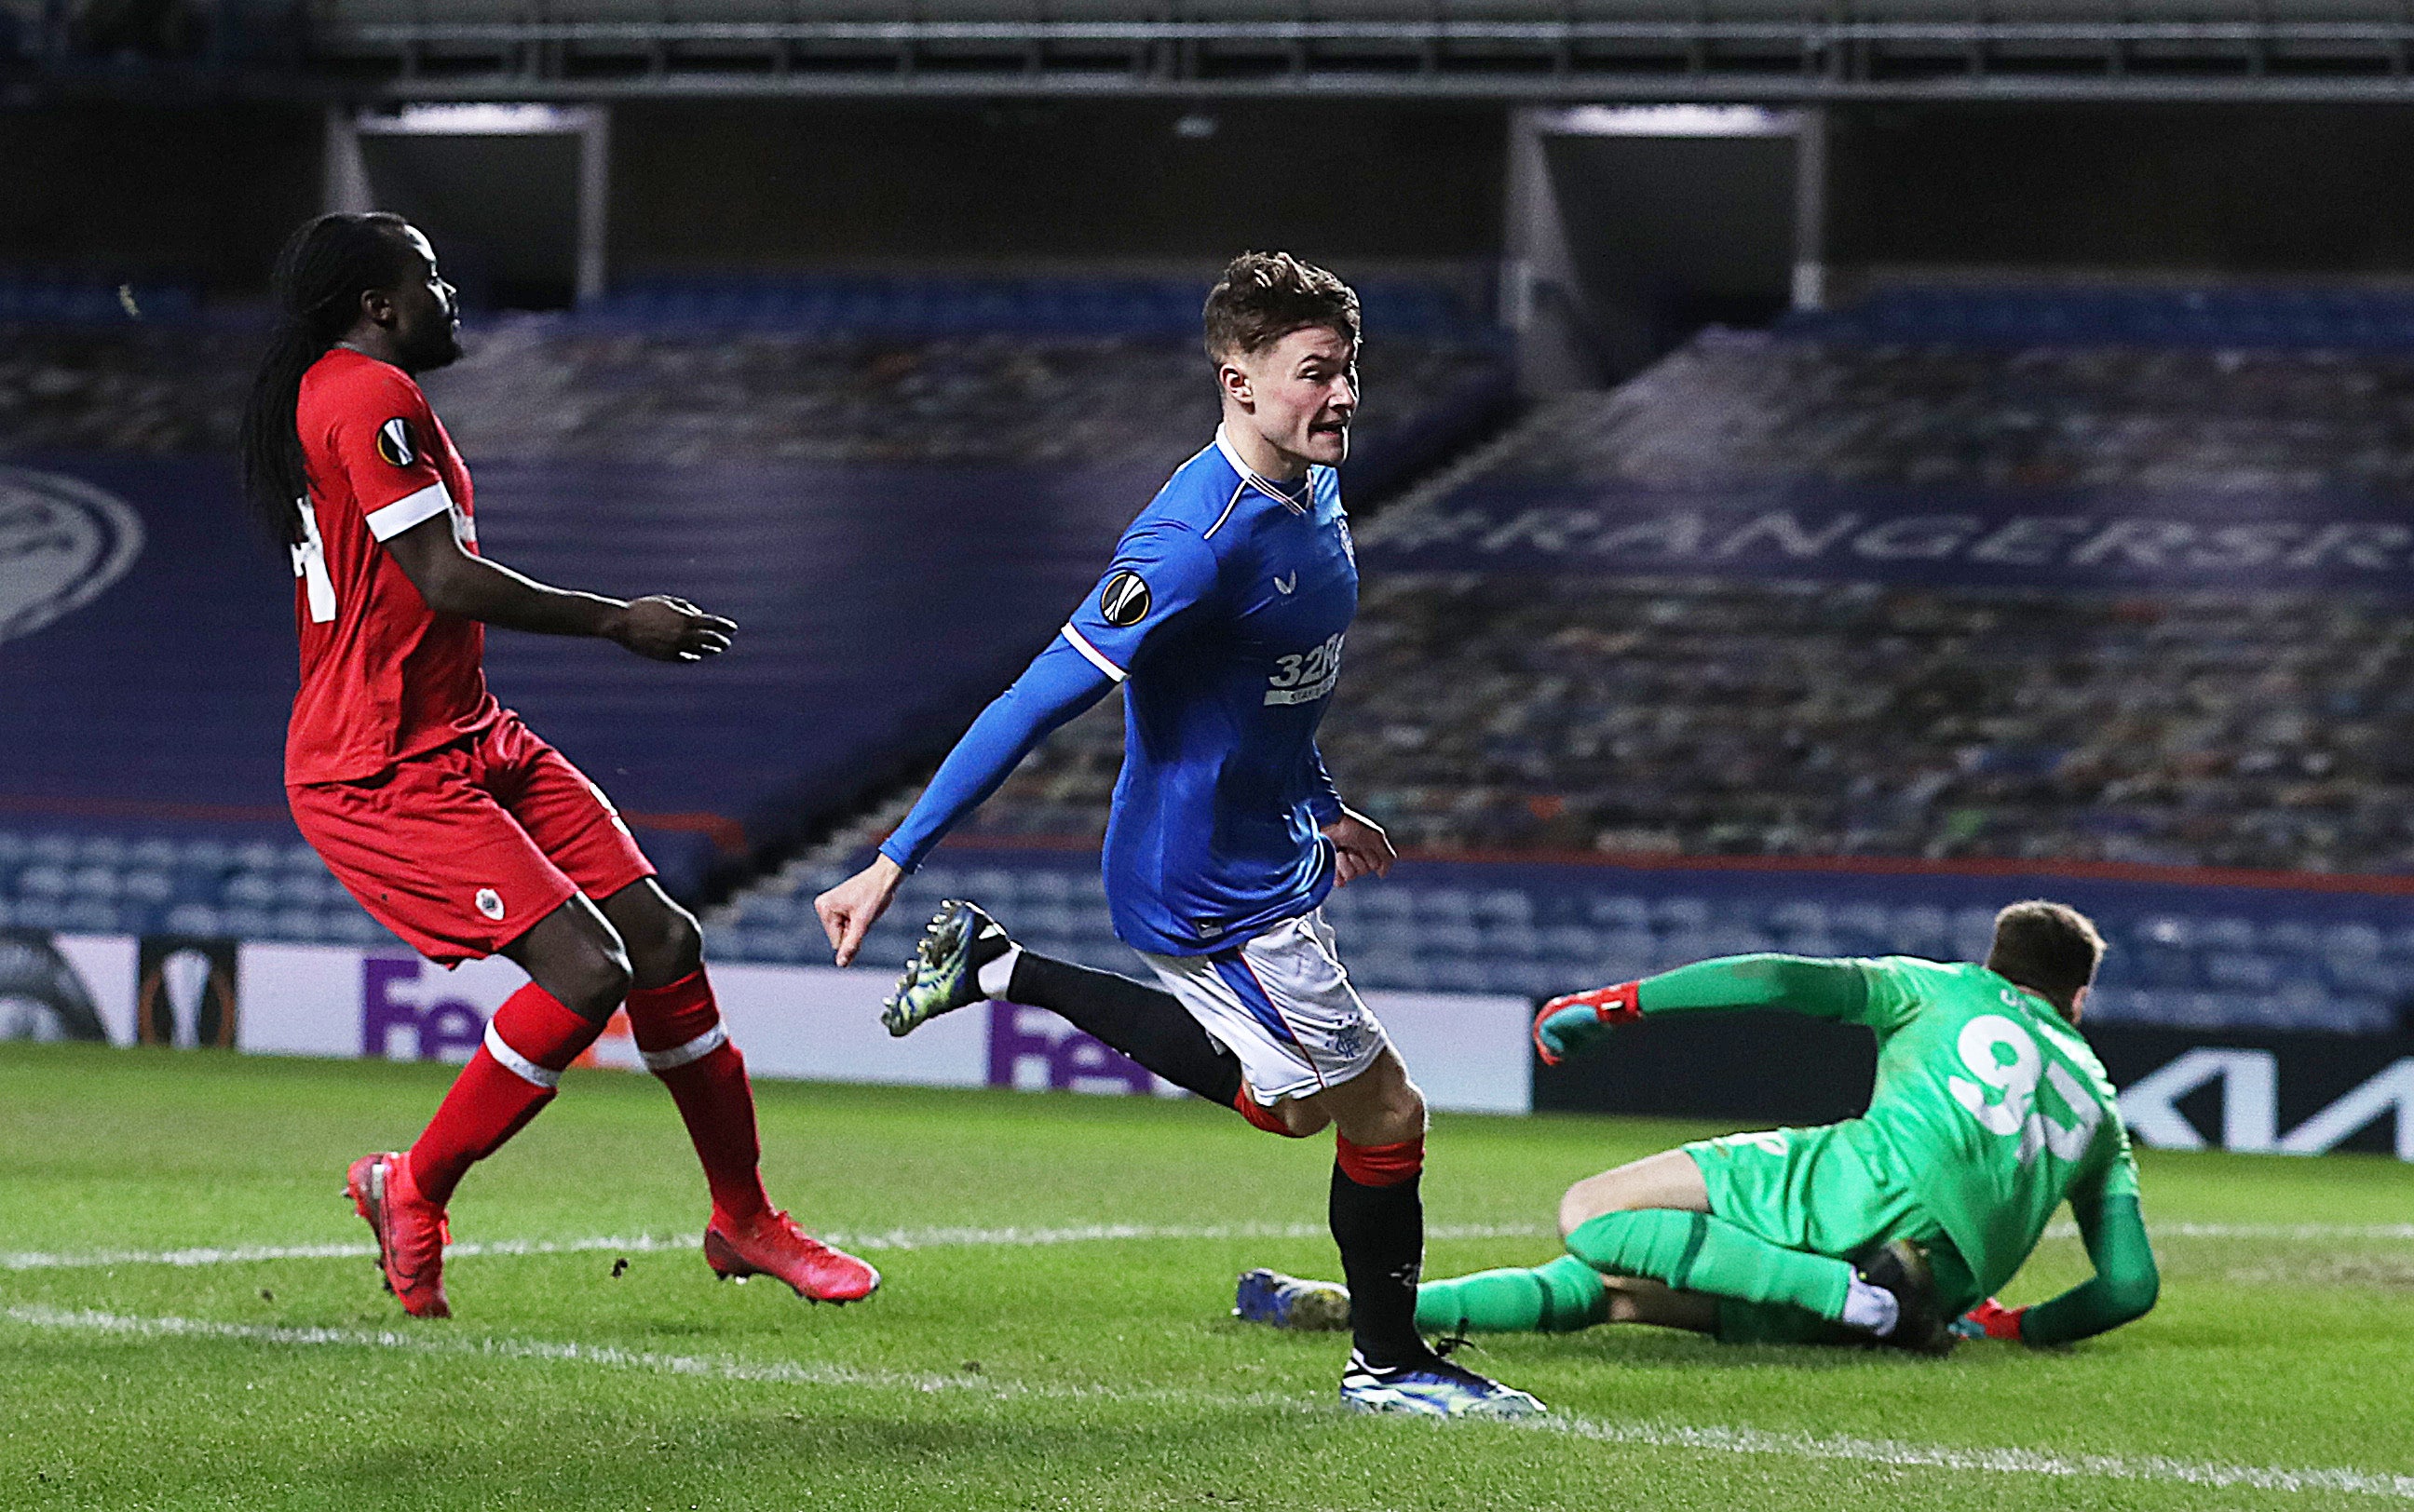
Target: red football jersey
{"x": 383, "y": 676}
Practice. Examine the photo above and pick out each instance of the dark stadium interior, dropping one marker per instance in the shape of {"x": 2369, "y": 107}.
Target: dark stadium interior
{"x": 817, "y": 307}
{"x": 1862, "y": 554}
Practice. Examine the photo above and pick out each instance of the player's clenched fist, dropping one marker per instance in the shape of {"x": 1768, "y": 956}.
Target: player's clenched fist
{"x": 664, "y": 629}
{"x": 1360, "y": 847}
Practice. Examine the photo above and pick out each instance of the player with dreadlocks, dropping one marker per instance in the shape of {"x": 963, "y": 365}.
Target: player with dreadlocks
{"x": 438, "y": 809}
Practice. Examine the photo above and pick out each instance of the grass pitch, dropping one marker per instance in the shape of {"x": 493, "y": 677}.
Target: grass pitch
{"x": 1053, "y": 1332}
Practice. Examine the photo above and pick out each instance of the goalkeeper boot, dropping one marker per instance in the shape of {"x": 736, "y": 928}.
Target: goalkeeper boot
{"x": 412, "y": 1232}
{"x": 1281, "y": 1301}
{"x": 774, "y": 1245}
{"x": 1432, "y": 1388}
{"x": 1900, "y": 1267}
{"x": 945, "y": 973}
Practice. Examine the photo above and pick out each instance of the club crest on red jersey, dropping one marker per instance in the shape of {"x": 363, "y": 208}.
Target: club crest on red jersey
{"x": 393, "y": 443}
{"x": 490, "y": 903}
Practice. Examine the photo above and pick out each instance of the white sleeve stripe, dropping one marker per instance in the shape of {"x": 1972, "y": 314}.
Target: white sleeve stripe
{"x": 518, "y": 1064}
{"x": 1092, "y": 655}
{"x": 395, "y": 518}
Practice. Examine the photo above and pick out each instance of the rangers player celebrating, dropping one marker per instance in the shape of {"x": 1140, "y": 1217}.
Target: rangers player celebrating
{"x": 1221, "y": 618}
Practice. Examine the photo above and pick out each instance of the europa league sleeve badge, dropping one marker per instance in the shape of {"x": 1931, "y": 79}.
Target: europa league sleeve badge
{"x": 393, "y": 443}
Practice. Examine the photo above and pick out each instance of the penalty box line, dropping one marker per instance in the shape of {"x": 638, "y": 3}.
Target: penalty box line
{"x": 1890, "y": 1453}
{"x": 964, "y": 1238}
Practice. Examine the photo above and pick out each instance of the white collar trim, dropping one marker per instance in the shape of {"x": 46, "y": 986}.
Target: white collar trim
{"x": 1249, "y": 476}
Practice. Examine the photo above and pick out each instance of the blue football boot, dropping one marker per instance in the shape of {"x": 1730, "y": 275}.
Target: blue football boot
{"x": 1281, "y": 1301}
{"x": 1436, "y": 1388}
{"x": 945, "y": 973}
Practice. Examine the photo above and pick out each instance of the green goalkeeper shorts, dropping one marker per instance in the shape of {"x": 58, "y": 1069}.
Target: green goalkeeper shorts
{"x": 1822, "y": 1192}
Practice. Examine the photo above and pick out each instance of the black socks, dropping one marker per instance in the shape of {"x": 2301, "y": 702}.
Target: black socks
{"x": 1380, "y": 1225}
{"x": 1146, "y": 1023}
{"x": 1381, "y": 1232}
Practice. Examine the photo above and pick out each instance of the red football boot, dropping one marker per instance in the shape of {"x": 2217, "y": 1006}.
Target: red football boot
{"x": 412, "y": 1232}
{"x": 775, "y": 1246}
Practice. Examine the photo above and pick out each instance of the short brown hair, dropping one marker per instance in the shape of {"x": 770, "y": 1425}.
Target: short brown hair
{"x": 1265, "y": 296}
{"x": 2050, "y": 948}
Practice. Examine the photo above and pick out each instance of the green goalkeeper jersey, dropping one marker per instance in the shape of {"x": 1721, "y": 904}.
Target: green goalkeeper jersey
{"x": 1989, "y": 1107}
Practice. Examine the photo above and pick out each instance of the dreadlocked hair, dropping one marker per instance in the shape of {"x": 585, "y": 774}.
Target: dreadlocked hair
{"x": 320, "y": 275}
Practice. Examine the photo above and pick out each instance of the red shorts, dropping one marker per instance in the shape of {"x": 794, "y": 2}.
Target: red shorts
{"x": 461, "y": 850}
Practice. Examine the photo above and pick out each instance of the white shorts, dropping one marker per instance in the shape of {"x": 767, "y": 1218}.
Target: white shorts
{"x": 1283, "y": 1005}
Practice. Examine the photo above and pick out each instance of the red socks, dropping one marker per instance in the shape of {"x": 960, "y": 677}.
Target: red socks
{"x": 1381, "y": 1165}
{"x": 529, "y": 1041}
{"x": 1261, "y": 1115}
{"x": 678, "y": 1032}
{"x": 513, "y": 1073}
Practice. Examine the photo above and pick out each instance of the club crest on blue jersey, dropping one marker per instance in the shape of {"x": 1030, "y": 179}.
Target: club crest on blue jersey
{"x": 393, "y": 443}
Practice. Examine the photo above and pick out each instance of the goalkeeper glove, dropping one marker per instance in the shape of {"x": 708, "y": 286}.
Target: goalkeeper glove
{"x": 1990, "y": 1319}
{"x": 1568, "y": 1024}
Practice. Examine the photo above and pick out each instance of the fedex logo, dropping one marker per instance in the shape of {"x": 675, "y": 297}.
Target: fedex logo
{"x": 1037, "y": 1051}
{"x": 428, "y": 1031}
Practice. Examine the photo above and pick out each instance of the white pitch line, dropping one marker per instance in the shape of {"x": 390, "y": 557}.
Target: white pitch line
{"x": 958, "y": 1237}
{"x": 895, "y": 1238}
{"x": 942, "y": 1238}
{"x": 768, "y": 1372}
{"x": 1713, "y": 1438}
{"x": 247, "y": 1255}
{"x": 1894, "y": 1452}
{"x": 2282, "y": 1231}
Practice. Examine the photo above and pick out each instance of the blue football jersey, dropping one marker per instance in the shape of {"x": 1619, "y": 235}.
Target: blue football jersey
{"x": 1223, "y": 615}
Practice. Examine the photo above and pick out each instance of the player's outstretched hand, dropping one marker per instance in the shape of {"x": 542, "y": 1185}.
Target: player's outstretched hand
{"x": 1360, "y": 847}
{"x": 1567, "y": 1023}
{"x": 663, "y": 629}
{"x": 851, "y": 909}
{"x": 1989, "y": 1319}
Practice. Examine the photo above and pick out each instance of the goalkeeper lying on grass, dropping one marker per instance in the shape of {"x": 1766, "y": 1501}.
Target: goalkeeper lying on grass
{"x": 1895, "y": 1227}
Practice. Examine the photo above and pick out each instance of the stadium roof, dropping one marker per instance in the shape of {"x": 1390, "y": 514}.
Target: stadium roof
{"x": 1769, "y": 50}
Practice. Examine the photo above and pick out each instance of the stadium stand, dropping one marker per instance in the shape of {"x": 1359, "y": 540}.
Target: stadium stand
{"x": 948, "y": 372}
{"x": 1563, "y": 671}
{"x": 2183, "y": 956}
{"x": 1736, "y": 409}
{"x": 2225, "y": 319}
{"x": 2091, "y": 609}
{"x": 1745, "y": 719}
{"x": 163, "y": 884}
{"x": 794, "y": 478}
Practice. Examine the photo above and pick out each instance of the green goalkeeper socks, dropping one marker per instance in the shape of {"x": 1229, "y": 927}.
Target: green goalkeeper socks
{"x": 1559, "y": 1298}
{"x": 1690, "y": 1251}
{"x": 1697, "y": 1253}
